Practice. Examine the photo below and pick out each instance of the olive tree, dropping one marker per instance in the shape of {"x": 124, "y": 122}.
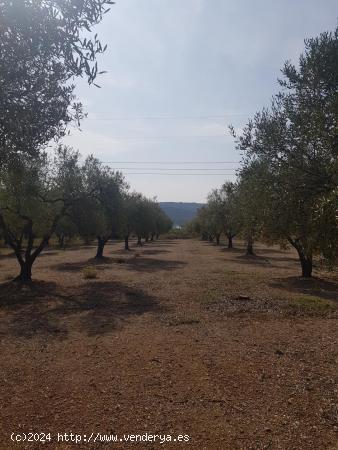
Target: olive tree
{"x": 65, "y": 230}
{"x": 250, "y": 204}
{"x": 130, "y": 216}
{"x": 294, "y": 144}
{"x": 98, "y": 211}
{"x": 34, "y": 195}
{"x": 204, "y": 223}
{"x": 161, "y": 223}
{"x": 227, "y": 199}
{"x": 143, "y": 218}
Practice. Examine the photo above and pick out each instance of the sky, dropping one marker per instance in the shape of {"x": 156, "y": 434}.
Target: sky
{"x": 179, "y": 72}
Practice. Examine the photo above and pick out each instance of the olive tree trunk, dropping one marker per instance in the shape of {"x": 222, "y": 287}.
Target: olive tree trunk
{"x": 306, "y": 265}
{"x": 26, "y": 259}
{"x": 101, "y": 242}
{"x": 230, "y": 244}
{"x": 27, "y": 256}
{"x": 305, "y": 257}
{"x": 249, "y": 246}
{"x": 25, "y": 275}
{"x": 61, "y": 240}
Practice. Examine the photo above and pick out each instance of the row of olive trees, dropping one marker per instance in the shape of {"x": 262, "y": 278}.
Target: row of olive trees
{"x": 287, "y": 188}
{"x": 105, "y": 209}
{"x": 219, "y": 216}
{"x": 44, "y": 46}
{"x": 41, "y": 196}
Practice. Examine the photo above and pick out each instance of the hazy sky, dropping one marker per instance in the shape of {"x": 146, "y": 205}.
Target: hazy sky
{"x": 178, "y": 73}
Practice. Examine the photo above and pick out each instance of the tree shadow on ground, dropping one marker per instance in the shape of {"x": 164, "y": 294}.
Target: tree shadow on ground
{"x": 225, "y": 249}
{"x": 156, "y": 243}
{"x": 253, "y": 259}
{"x": 45, "y": 310}
{"x": 101, "y": 263}
{"x": 325, "y": 289}
{"x": 154, "y": 252}
{"x": 141, "y": 250}
{"x": 273, "y": 251}
{"x": 73, "y": 247}
{"x": 282, "y": 262}
{"x": 140, "y": 264}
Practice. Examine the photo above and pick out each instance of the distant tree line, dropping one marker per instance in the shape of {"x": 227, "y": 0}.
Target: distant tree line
{"x": 287, "y": 187}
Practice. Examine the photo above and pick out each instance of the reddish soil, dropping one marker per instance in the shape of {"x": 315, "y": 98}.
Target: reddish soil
{"x": 178, "y": 337}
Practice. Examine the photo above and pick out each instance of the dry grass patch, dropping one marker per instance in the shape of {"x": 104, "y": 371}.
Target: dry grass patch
{"x": 89, "y": 273}
{"x": 211, "y": 296}
{"x": 310, "y": 305}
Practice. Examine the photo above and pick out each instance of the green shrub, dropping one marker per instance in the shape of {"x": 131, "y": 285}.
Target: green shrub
{"x": 89, "y": 273}
{"x": 307, "y": 304}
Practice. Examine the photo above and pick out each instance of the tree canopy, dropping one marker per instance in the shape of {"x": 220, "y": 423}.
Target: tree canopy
{"x": 98, "y": 212}
{"x": 291, "y": 154}
{"x": 44, "y": 45}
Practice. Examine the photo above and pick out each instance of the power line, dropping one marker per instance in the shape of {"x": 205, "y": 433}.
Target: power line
{"x": 216, "y": 116}
{"x": 145, "y": 138}
{"x": 185, "y": 174}
{"x": 172, "y": 168}
{"x": 171, "y": 162}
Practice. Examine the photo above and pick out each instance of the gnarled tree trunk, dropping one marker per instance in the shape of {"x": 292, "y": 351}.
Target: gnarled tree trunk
{"x": 61, "y": 240}
{"x": 305, "y": 257}
{"x": 25, "y": 275}
{"x": 139, "y": 241}
{"x": 126, "y": 242}
{"x": 218, "y": 238}
{"x": 249, "y": 246}
{"x": 27, "y": 257}
{"x": 230, "y": 244}
{"x": 101, "y": 242}
{"x": 306, "y": 264}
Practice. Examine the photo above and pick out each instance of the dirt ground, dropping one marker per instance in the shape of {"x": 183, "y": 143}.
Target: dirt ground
{"x": 179, "y": 337}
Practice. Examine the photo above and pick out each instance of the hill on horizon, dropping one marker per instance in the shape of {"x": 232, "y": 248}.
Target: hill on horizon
{"x": 180, "y": 212}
